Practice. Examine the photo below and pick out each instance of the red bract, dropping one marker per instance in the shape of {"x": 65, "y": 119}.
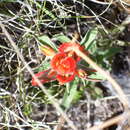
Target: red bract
{"x": 44, "y": 77}
{"x": 63, "y": 64}
{"x": 69, "y": 48}
{"x": 65, "y": 78}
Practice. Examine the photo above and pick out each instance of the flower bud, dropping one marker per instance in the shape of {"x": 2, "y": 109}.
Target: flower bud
{"x": 47, "y": 51}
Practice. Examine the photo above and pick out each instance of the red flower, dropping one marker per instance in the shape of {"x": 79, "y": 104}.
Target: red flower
{"x": 63, "y": 64}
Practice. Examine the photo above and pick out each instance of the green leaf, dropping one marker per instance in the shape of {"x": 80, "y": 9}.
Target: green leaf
{"x": 46, "y": 40}
{"x": 69, "y": 96}
{"x": 109, "y": 52}
{"x": 47, "y": 12}
{"x": 45, "y": 65}
{"x": 96, "y": 93}
{"x": 62, "y": 38}
{"x": 97, "y": 75}
{"x": 92, "y": 48}
{"x": 89, "y": 38}
{"x": 27, "y": 110}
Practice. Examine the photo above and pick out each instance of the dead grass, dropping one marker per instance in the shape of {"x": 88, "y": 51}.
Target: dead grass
{"x": 20, "y": 56}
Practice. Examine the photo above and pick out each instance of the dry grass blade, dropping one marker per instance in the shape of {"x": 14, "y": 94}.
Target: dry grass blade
{"x": 100, "y": 2}
{"x": 61, "y": 123}
{"x": 15, "y": 115}
{"x": 112, "y": 121}
{"x": 116, "y": 86}
{"x": 54, "y": 101}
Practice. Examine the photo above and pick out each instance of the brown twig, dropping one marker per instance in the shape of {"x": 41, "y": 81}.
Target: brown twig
{"x": 116, "y": 86}
{"x": 112, "y": 121}
{"x": 51, "y": 98}
{"x": 61, "y": 122}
